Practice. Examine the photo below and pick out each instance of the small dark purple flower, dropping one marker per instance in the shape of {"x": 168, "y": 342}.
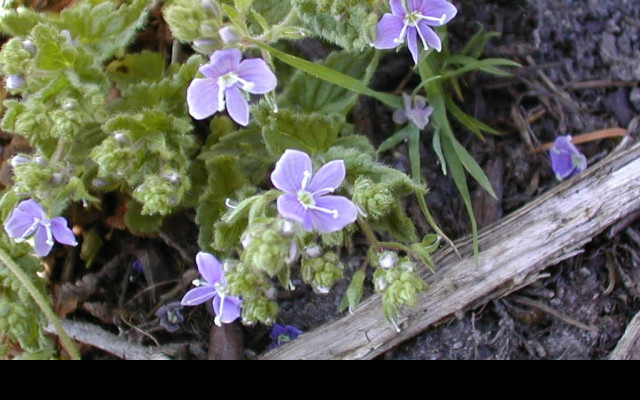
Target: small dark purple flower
{"x": 283, "y": 334}
{"x": 416, "y": 111}
{"x": 227, "y": 308}
{"x": 413, "y": 22}
{"x": 306, "y": 198}
{"x": 30, "y": 219}
{"x": 227, "y": 80}
{"x": 170, "y": 317}
{"x": 566, "y": 159}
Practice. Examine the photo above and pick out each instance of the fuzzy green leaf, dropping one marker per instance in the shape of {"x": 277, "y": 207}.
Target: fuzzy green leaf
{"x": 19, "y": 22}
{"x": 353, "y": 295}
{"x": 138, "y": 223}
{"x": 135, "y": 68}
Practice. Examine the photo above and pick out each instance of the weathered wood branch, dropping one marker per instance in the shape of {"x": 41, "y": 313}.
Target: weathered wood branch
{"x": 513, "y": 252}
{"x": 629, "y": 346}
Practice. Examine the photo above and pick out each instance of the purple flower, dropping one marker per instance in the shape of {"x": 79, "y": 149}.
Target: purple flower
{"x": 30, "y": 219}
{"x": 227, "y": 81}
{"x": 227, "y": 308}
{"x": 415, "y": 111}
{"x": 412, "y": 23}
{"x": 170, "y": 317}
{"x": 566, "y": 159}
{"x": 283, "y": 334}
{"x": 306, "y": 199}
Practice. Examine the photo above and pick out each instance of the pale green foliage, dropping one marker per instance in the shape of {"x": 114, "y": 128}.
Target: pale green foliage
{"x": 346, "y": 23}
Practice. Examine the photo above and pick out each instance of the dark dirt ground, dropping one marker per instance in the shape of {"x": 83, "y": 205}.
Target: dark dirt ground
{"x": 581, "y": 70}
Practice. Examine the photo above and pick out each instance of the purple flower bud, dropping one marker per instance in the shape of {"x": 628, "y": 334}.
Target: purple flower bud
{"x": 206, "y": 46}
{"x": 14, "y": 82}
{"x": 227, "y": 79}
{"x": 228, "y": 35}
{"x": 170, "y": 317}
{"x": 210, "y": 8}
{"x": 29, "y": 46}
{"x": 566, "y": 159}
{"x": 413, "y": 24}
{"x": 20, "y": 160}
{"x": 29, "y": 219}
{"x": 306, "y": 198}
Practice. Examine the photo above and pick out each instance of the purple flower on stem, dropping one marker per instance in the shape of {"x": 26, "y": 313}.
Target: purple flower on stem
{"x": 227, "y": 81}
{"x": 413, "y": 22}
{"x": 283, "y": 334}
{"x": 306, "y": 199}
{"x": 170, "y": 317}
{"x": 30, "y": 219}
{"x": 566, "y": 159}
{"x": 227, "y": 308}
{"x": 415, "y": 111}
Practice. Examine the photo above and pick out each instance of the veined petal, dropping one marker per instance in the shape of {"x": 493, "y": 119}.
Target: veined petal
{"x": 62, "y": 233}
{"x": 237, "y": 106}
{"x": 397, "y": 8}
{"x": 412, "y": 36}
{"x": 256, "y": 72}
{"x": 439, "y": 9}
{"x": 202, "y": 98}
{"x": 564, "y": 144}
{"x": 390, "y": 30}
{"x": 229, "y": 309}
{"x": 210, "y": 268}
{"x": 291, "y": 170}
{"x": 343, "y": 212}
{"x": 20, "y": 224}
{"x": 221, "y": 63}
{"x": 432, "y": 38}
{"x": 328, "y": 178}
{"x": 32, "y": 208}
{"x": 289, "y": 207}
{"x": 199, "y": 295}
{"x": 562, "y": 164}
{"x": 43, "y": 241}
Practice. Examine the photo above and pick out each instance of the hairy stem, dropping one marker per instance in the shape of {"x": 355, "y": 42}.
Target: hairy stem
{"x": 42, "y": 303}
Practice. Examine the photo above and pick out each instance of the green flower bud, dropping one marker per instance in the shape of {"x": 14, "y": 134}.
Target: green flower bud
{"x": 399, "y": 285}
{"x": 246, "y": 282}
{"x": 267, "y": 248}
{"x": 322, "y": 272}
{"x": 187, "y": 17}
{"x": 374, "y": 199}
{"x": 259, "y": 309}
{"x": 32, "y": 178}
{"x": 159, "y": 195}
{"x": 66, "y": 125}
{"x": 15, "y": 58}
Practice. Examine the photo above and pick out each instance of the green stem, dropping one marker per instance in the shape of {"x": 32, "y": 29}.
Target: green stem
{"x": 368, "y": 232}
{"x": 42, "y": 303}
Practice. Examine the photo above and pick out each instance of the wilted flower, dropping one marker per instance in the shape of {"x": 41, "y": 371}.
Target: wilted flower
{"x": 226, "y": 78}
{"x": 170, "y": 317}
{"x": 416, "y": 111}
{"x": 412, "y": 23}
{"x": 30, "y": 219}
{"x": 227, "y": 308}
{"x": 283, "y": 334}
{"x": 566, "y": 159}
{"x": 306, "y": 198}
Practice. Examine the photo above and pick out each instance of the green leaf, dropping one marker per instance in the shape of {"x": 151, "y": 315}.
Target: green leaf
{"x": 135, "y": 68}
{"x": 53, "y": 52}
{"x": 329, "y": 75}
{"x": 101, "y": 26}
{"x": 310, "y": 94}
{"x": 19, "y": 22}
{"x": 474, "y": 125}
{"x": 489, "y": 65}
{"x": 475, "y": 46}
{"x": 353, "y": 295}
{"x": 472, "y": 166}
{"x": 139, "y": 223}
{"x": 313, "y": 133}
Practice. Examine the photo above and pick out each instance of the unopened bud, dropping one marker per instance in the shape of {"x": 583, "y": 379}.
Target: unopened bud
{"x": 288, "y": 228}
{"x": 210, "y": 8}
{"x": 388, "y": 260}
{"x": 228, "y": 35}
{"x": 20, "y": 160}
{"x": 29, "y": 46}
{"x": 121, "y": 138}
{"x": 313, "y": 251}
{"x": 14, "y": 82}
{"x": 205, "y": 45}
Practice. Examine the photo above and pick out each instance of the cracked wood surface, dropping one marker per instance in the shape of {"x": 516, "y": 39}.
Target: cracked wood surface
{"x": 513, "y": 252}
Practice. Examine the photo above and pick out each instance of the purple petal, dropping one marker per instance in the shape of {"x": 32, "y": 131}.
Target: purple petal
{"x": 289, "y": 207}
{"x": 397, "y": 8}
{"x": 344, "y": 212}
{"x": 62, "y": 233}
{"x": 257, "y": 72}
{"x": 328, "y": 178}
{"x": 389, "y": 31}
{"x": 221, "y": 63}
{"x": 432, "y": 38}
{"x": 228, "y": 310}
{"x": 566, "y": 159}
{"x": 412, "y": 36}
{"x": 199, "y": 295}
{"x": 202, "y": 98}
{"x": 32, "y": 208}
{"x": 291, "y": 170}
{"x": 562, "y": 164}
{"x": 439, "y": 9}
{"x": 564, "y": 144}
{"x": 43, "y": 242}
{"x": 237, "y": 106}
{"x": 210, "y": 268}
{"x": 20, "y": 224}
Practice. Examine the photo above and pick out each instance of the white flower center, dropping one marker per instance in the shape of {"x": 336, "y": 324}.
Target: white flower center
{"x": 228, "y": 81}
{"x": 308, "y": 199}
{"x": 412, "y": 20}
